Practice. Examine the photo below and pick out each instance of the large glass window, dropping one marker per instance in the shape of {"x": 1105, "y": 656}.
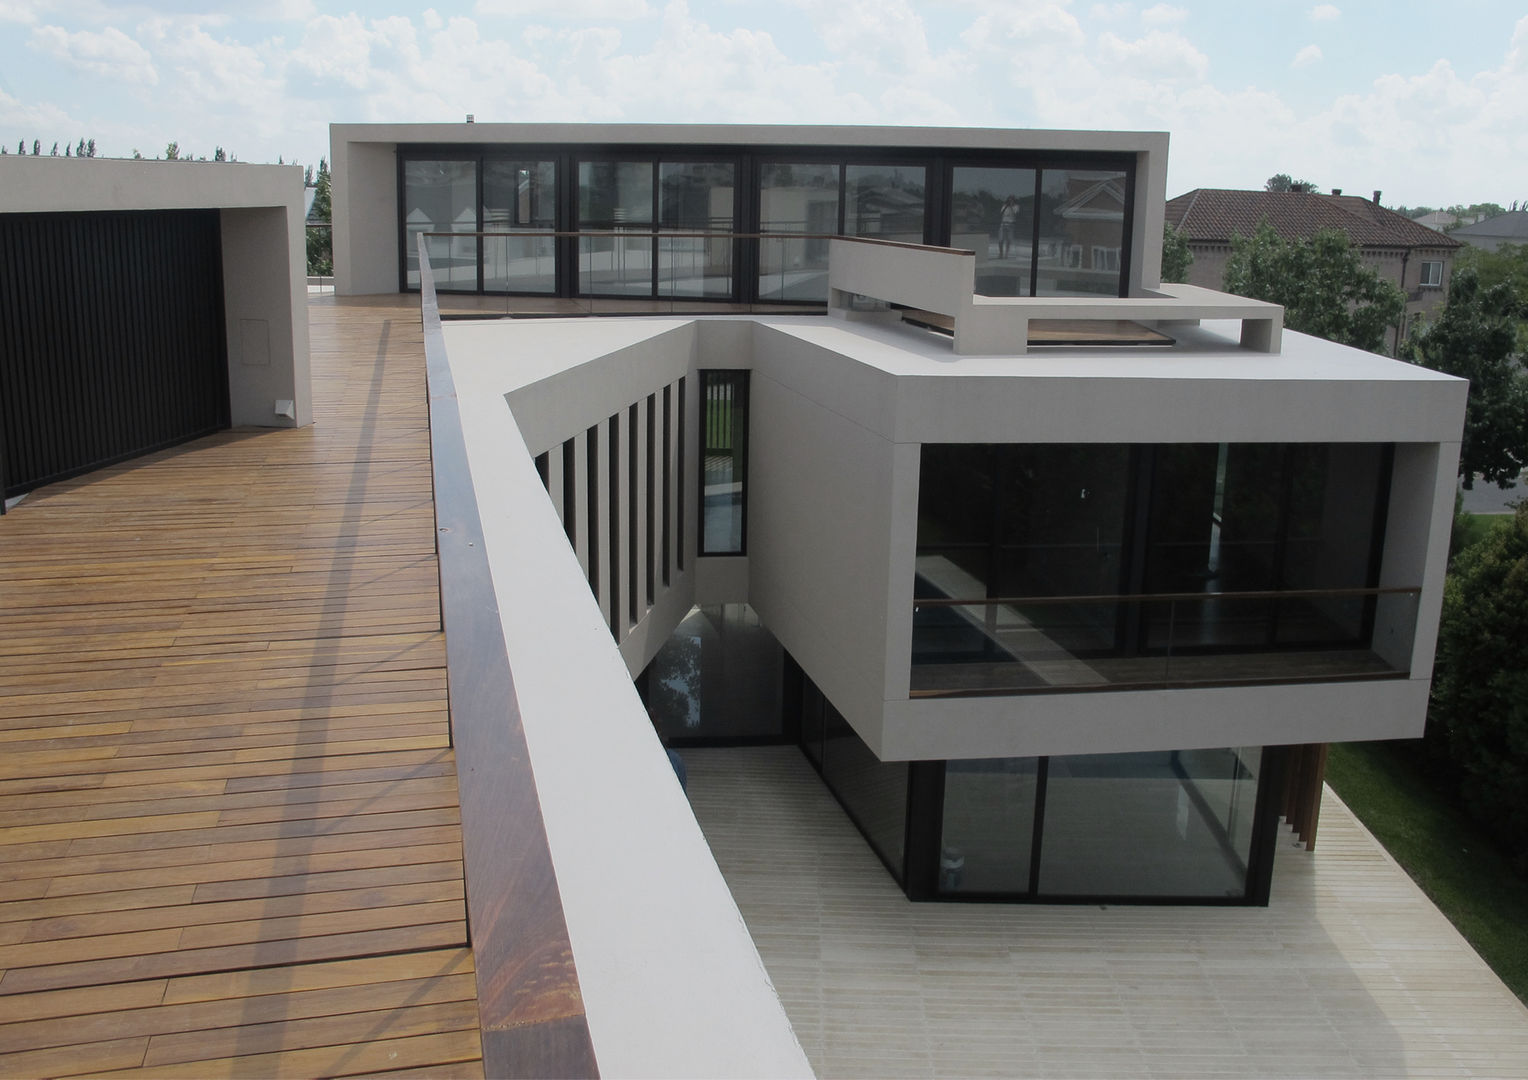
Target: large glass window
{"x": 802, "y": 199}
{"x": 441, "y": 197}
{"x": 696, "y": 197}
{"x": 519, "y": 196}
{"x": 873, "y": 791}
{"x": 1159, "y": 824}
{"x": 992, "y": 212}
{"x": 1079, "y": 565}
{"x": 724, "y": 462}
{"x": 718, "y": 677}
{"x": 989, "y": 821}
{"x": 1081, "y": 232}
{"x": 884, "y": 202}
{"x": 615, "y": 197}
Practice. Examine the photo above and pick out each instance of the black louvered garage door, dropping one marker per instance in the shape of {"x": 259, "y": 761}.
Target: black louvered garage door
{"x": 111, "y": 339}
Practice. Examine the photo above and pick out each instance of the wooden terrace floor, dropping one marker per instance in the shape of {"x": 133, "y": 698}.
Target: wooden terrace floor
{"x": 229, "y": 839}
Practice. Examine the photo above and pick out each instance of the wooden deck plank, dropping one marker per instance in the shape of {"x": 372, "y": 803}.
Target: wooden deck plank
{"x": 228, "y": 807}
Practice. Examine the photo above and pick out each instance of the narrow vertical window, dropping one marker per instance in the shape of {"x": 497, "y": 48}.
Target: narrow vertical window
{"x": 668, "y": 480}
{"x": 613, "y": 496}
{"x": 723, "y": 462}
{"x": 652, "y": 494}
{"x": 679, "y": 471}
{"x": 633, "y": 513}
{"x": 592, "y": 505}
{"x": 569, "y": 492}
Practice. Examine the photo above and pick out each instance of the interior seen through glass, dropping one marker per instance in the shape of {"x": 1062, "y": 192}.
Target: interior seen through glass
{"x": 1106, "y": 564}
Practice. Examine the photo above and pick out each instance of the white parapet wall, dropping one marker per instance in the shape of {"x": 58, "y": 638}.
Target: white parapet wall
{"x": 265, "y": 292}
{"x": 671, "y": 983}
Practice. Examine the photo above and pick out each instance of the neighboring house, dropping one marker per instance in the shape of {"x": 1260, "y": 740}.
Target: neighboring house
{"x": 1443, "y": 221}
{"x": 1411, "y": 256}
{"x": 1054, "y": 620}
{"x": 1492, "y": 233}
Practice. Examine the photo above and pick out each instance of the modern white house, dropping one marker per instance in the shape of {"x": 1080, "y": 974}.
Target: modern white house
{"x": 1055, "y": 573}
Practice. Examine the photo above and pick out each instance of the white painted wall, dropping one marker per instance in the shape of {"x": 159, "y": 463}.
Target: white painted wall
{"x": 839, "y": 413}
{"x": 264, "y": 255}
{"x": 364, "y": 208}
{"x": 671, "y": 982}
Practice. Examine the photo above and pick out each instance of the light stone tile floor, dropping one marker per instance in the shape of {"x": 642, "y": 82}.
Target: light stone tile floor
{"x": 1349, "y": 972}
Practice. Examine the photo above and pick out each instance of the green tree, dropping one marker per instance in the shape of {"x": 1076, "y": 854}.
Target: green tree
{"x": 1479, "y": 707}
{"x": 1176, "y": 257}
{"x": 1283, "y": 182}
{"x": 172, "y": 152}
{"x": 1322, "y": 282}
{"x": 219, "y": 154}
{"x": 320, "y": 234}
{"x": 1475, "y": 338}
{"x": 1508, "y": 265}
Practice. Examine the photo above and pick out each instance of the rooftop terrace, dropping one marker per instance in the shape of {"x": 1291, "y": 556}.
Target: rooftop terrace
{"x": 231, "y": 841}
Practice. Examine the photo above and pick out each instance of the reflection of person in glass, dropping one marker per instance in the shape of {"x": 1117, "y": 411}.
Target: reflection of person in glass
{"x": 1005, "y": 222}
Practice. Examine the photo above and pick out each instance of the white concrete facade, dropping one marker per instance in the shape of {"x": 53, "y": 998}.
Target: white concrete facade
{"x": 264, "y": 256}
{"x": 363, "y": 159}
{"x": 839, "y": 413}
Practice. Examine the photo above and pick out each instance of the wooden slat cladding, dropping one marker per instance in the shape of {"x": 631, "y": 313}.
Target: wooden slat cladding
{"x": 229, "y": 839}
{"x": 111, "y": 338}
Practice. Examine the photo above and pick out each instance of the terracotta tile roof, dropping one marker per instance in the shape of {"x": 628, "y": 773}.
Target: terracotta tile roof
{"x": 1214, "y": 214}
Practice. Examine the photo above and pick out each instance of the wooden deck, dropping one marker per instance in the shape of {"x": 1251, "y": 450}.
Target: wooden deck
{"x": 229, "y": 825}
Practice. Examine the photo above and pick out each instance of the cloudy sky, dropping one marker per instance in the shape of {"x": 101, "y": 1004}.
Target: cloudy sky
{"x": 1426, "y": 101}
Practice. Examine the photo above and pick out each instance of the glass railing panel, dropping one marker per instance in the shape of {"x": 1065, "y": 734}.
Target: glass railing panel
{"x": 793, "y": 268}
{"x": 1039, "y": 644}
{"x": 519, "y": 264}
{"x": 695, "y": 266}
{"x": 616, "y": 265}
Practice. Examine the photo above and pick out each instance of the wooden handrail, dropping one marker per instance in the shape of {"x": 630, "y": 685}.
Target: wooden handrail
{"x": 530, "y": 1010}
{"x": 661, "y": 234}
{"x": 1266, "y": 594}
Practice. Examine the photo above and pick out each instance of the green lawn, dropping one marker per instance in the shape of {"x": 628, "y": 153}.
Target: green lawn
{"x": 1453, "y": 862}
{"x": 1475, "y": 527}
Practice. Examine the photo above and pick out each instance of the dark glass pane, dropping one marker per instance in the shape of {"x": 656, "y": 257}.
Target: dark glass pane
{"x": 441, "y": 196}
{"x": 989, "y": 820}
{"x": 873, "y": 791}
{"x": 992, "y": 212}
{"x": 519, "y": 196}
{"x": 615, "y": 196}
{"x": 696, "y": 197}
{"x": 813, "y": 720}
{"x": 1082, "y": 232}
{"x": 717, "y": 677}
{"x": 796, "y": 198}
{"x": 724, "y": 461}
{"x": 1251, "y": 505}
{"x": 884, "y": 201}
{"x": 1168, "y": 823}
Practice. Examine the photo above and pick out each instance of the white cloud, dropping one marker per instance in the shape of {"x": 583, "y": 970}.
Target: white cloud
{"x": 17, "y": 13}
{"x": 570, "y": 10}
{"x": 1163, "y": 14}
{"x": 1325, "y": 12}
{"x": 1160, "y": 55}
{"x": 1111, "y": 13}
{"x": 110, "y": 54}
{"x": 1306, "y": 56}
{"x": 19, "y": 116}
